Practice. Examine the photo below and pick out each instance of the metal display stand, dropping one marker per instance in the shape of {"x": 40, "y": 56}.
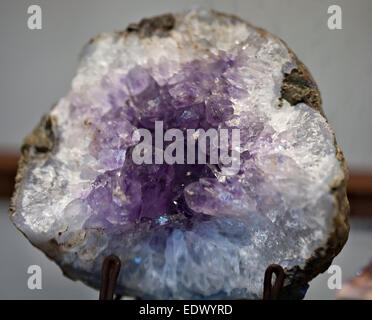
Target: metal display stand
{"x": 111, "y": 268}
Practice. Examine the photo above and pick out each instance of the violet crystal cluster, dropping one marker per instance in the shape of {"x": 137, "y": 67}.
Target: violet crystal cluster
{"x": 186, "y": 231}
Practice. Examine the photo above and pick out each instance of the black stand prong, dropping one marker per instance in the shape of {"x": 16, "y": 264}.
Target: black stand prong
{"x": 110, "y": 271}
{"x": 111, "y": 268}
{"x": 272, "y": 292}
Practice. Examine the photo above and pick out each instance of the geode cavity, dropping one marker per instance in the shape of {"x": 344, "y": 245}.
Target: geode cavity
{"x": 186, "y": 231}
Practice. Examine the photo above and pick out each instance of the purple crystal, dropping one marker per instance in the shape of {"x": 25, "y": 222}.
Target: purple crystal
{"x": 133, "y": 192}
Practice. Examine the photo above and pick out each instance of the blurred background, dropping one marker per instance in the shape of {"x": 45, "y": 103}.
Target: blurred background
{"x": 37, "y": 66}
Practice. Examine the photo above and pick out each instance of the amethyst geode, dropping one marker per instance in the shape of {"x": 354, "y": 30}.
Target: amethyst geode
{"x": 186, "y": 230}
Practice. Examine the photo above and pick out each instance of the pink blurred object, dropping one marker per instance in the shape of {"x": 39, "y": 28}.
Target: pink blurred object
{"x": 358, "y": 288}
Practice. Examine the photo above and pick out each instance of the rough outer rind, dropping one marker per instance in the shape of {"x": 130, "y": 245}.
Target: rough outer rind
{"x": 298, "y": 86}
{"x": 36, "y": 146}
